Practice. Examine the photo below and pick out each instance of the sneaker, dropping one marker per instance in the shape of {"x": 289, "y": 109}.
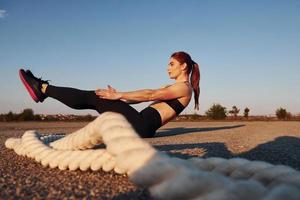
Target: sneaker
{"x": 33, "y": 85}
{"x": 43, "y": 96}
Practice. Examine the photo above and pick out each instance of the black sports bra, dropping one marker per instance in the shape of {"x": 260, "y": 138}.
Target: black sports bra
{"x": 175, "y": 104}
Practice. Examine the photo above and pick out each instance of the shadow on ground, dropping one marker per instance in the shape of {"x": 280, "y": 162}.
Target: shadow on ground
{"x": 283, "y": 150}
{"x": 184, "y": 130}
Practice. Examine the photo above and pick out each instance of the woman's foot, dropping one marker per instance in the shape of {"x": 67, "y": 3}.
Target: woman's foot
{"x": 33, "y": 85}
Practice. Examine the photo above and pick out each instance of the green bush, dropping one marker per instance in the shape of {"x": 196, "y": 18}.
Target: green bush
{"x": 281, "y": 113}
{"x": 10, "y": 116}
{"x": 216, "y": 112}
{"x": 26, "y": 115}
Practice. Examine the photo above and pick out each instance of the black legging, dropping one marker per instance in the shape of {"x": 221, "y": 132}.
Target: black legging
{"x": 145, "y": 123}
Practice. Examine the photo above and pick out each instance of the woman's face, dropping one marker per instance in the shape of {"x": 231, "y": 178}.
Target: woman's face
{"x": 174, "y": 68}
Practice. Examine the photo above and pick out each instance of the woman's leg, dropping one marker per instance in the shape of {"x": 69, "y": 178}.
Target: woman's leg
{"x": 74, "y": 98}
{"x": 81, "y": 99}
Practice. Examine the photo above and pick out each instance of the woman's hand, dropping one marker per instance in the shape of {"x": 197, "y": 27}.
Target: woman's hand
{"x": 109, "y": 93}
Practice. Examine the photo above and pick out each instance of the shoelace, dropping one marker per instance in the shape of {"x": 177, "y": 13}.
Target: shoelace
{"x": 43, "y": 81}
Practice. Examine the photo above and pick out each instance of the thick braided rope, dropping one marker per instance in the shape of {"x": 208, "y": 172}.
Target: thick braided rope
{"x": 63, "y": 155}
{"x": 88, "y": 136}
{"x": 33, "y": 147}
{"x": 166, "y": 177}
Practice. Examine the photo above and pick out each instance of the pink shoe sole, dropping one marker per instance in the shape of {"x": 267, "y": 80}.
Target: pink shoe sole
{"x": 33, "y": 96}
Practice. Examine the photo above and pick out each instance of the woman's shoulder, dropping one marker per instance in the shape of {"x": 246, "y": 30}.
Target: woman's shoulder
{"x": 177, "y": 83}
{"x": 165, "y": 86}
{"x": 184, "y": 84}
{"x": 180, "y": 87}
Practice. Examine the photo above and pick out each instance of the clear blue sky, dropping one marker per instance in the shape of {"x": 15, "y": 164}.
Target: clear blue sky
{"x": 248, "y": 51}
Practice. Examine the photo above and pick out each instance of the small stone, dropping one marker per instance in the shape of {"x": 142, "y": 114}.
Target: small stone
{"x": 18, "y": 191}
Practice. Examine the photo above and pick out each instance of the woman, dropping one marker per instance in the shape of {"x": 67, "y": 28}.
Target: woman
{"x": 169, "y": 101}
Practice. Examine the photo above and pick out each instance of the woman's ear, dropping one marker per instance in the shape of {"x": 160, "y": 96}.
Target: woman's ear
{"x": 184, "y": 66}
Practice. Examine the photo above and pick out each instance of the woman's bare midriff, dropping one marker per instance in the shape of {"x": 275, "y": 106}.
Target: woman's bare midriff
{"x": 165, "y": 111}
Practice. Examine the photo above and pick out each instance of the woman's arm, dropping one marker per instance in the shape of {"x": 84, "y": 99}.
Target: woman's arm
{"x": 174, "y": 91}
{"x": 136, "y": 102}
{"x": 113, "y": 90}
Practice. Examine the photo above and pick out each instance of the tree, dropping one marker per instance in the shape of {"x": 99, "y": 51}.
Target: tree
{"x": 234, "y": 111}
{"x": 289, "y": 116}
{"x": 246, "y": 112}
{"x": 281, "y": 113}
{"x": 26, "y": 115}
{"x": 216, "y": 112}
{"x": 37, "y": 118}
{"x": 10, "y": 116}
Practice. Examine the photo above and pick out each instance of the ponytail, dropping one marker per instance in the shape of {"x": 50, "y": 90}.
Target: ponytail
{"x": 183, "y": 57}
{"x": 195, "y": 77}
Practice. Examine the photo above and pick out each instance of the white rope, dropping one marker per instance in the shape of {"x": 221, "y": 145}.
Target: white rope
{"x": 88, "y": 136}
{"x": 166, "y": 177}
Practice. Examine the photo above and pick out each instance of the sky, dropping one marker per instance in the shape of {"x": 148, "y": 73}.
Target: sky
{"x": 248, "y": 51}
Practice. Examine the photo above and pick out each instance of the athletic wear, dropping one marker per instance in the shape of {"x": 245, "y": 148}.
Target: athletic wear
{"x": 29, "y": 73}
{"x": 145, "y": 123}
{"x": 175, "y": 105}
{"x": 153, "y": 119}
{"x": 33, "y": 85}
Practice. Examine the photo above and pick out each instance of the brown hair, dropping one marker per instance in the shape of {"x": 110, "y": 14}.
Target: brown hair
{"x": 183, "y": 57}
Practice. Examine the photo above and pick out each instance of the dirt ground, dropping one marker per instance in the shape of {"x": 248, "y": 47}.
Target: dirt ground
{"x": 20, "y": 177}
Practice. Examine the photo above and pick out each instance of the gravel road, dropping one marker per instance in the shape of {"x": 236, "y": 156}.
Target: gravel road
{"x": 22, "y": 178}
